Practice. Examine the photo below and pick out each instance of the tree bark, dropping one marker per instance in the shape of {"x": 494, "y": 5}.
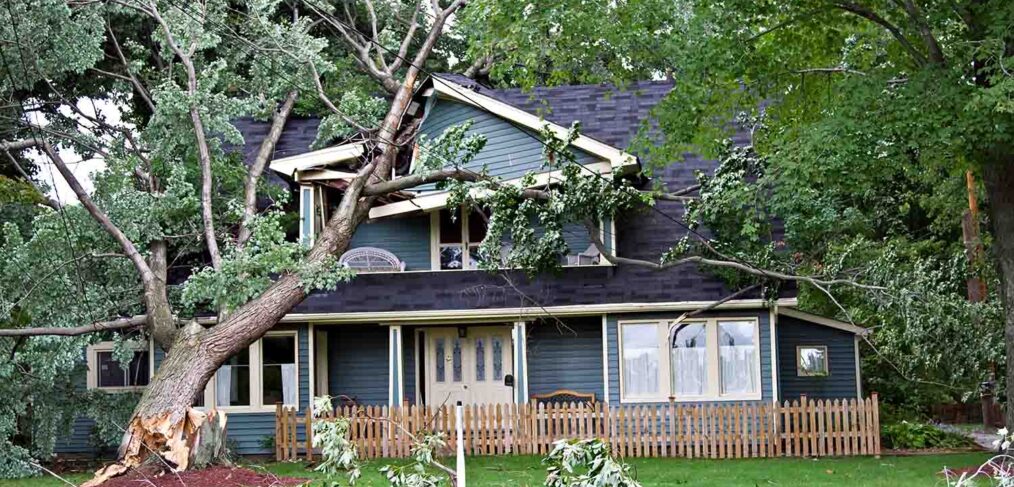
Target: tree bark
{"x": 998, "y": 176}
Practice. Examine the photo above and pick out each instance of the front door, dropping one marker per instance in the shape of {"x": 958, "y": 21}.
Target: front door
{"x": 470, "y": 369}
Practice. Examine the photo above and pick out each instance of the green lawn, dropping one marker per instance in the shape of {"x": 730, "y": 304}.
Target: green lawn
{"x": 918, "y": 470}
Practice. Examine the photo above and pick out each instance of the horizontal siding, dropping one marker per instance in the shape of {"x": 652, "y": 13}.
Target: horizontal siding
{"x": 408, "y": 238}
{"x": 565, "y": 356}
{"x": 841, "y": 355}
{"x": 764, "y": 324}
{"x": 357, "y": 363}
{"x": 510, "y": 151}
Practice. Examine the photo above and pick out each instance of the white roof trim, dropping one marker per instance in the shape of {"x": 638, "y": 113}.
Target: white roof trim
{"x": 616, "y": 157}
{"x": 323, "y": 175}
{"x": 318, "y": 158}
{"x": 820, "y": 320}
{"x": 438, "y": 199}
{"x": 514, "y": 314}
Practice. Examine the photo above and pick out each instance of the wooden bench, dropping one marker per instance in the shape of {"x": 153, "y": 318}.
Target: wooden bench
{"x": 564, "y": 396}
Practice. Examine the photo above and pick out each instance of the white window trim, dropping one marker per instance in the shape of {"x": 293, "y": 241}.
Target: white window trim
{"x": 663, "y": 370}
{"x": 436, "y": 246}
{"x": 256, "y": 380}
{"x": 714, "y": 373}
{"x": 799, "y": 361}
{"x": 93, "y": 365}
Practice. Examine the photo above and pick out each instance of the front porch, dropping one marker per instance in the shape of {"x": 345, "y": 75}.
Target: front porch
{"x": 402, "y": 365}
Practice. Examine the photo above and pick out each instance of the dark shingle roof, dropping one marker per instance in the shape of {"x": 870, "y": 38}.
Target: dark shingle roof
{"x": 607, "y": 113}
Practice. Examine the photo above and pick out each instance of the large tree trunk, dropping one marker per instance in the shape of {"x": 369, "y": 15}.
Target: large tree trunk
{"x": 999, "y": 181}
{"x": 164, "y": 427}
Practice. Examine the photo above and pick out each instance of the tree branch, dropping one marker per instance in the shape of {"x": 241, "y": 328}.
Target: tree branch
{"x": 204, "y": 153}
{"x": 872, "y": 16}
{"x": 117, "y": 324}
{"x": 593, "y": 233}
{"x": 253, "y": 175}
{"x": 411, "y": 181}
{"x": 915, "y": 13}
{"x": 99, "y": 216}
{"x": 50, "y": 202}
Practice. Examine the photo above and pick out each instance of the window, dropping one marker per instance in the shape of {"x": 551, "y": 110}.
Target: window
{"x": 458, "y": 237}
{"x": 259, "y": 376}
{"x": 641, "y": 364}
{"x": 278, "y": 376}
{"x": 715, "y": 359}
{"x": 232, "y": 381}
{"x": 106, "y": 372}
{"x": 811, "y": 361}
{"x": 738, "y": 363}
{"x": 689, "y": 359}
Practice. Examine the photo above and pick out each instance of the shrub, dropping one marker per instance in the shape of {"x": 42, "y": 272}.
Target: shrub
{"x": 913, "y": 435}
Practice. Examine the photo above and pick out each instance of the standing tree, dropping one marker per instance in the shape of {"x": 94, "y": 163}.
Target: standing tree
{"x": 864, "y": 118}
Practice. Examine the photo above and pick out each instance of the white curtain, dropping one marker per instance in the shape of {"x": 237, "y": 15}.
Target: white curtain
{"x": 689, "y": 371}
{"x": 640, "y": 372}
{"x": 223, "y": 386}
{"x": 289, "y": 384}
{"x": 739, "y": 369}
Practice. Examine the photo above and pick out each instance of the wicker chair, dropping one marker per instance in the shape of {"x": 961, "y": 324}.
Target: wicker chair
{"x": 371, "y": 259}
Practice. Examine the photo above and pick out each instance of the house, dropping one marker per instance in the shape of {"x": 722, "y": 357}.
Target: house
{"x": 421, "y": 325}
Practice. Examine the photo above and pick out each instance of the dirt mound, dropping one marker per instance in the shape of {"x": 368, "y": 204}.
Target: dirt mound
{"x": 209, "y": 477}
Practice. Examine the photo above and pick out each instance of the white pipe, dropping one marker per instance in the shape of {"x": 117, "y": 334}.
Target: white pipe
{"x": 458, "y": 415}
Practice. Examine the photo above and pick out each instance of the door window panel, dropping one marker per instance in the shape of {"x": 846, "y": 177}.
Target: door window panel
{"x": 441, "y": 360}
{"x": 480, "y": 359}
{"x": 497, "y": 359}
{"x": 456, "y": 360}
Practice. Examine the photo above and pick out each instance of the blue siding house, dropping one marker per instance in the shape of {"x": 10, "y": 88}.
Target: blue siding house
{"x": 421, "y": 325}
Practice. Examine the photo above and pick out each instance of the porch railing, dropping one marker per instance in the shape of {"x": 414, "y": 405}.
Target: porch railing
{"x": 801, "y": 428}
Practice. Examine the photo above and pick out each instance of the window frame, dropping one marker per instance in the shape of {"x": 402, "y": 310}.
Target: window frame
{"x": 465, "y": 243}
{"x": 664, "y": 327}
{"x": 92, "y": 357}
{"x": 663, "y": 367}
{"x": 799, "y": 361}
{"x": 256, "y": 379}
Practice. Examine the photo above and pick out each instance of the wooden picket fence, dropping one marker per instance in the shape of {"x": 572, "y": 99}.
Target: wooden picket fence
{"x": 801, "y": 428}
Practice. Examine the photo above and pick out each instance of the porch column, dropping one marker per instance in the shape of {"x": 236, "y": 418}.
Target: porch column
{"x": 395, "y": 391}
{"x": 520, "y": 336}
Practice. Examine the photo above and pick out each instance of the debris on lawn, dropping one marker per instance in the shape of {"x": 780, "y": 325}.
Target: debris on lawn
{"x": 209, "y": 477}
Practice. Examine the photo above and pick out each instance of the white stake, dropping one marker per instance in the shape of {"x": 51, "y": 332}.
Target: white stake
{"x": 458, "y": 415}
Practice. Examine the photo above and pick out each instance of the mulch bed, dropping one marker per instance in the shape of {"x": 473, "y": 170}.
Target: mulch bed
{"x": 210, "y": 477}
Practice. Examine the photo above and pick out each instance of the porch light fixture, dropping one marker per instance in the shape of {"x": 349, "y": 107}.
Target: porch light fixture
{"x": 462, "y": 331}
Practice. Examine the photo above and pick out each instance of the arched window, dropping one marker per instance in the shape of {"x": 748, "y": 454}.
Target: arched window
{"x": 371, "y": 259}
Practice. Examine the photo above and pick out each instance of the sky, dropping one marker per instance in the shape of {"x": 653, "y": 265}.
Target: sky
{"x": 83, "y": 169}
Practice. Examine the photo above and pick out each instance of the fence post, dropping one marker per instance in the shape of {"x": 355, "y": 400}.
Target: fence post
{"x": 460, "y": 470}
{"x": 876, "y": 425}
{"x": 278, "y": 431}
{"x": 308, "y": 427}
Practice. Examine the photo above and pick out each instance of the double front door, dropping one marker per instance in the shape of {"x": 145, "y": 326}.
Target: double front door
{"x": 473, "y": 368}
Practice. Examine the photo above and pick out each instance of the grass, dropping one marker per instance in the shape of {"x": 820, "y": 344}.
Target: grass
{"x": 918, "y": 470}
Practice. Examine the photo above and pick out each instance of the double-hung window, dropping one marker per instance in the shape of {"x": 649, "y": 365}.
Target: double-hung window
{"x": 106, "y": 372}
{"x": 698, "y": 360}
{"x": 259, "y": 376}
